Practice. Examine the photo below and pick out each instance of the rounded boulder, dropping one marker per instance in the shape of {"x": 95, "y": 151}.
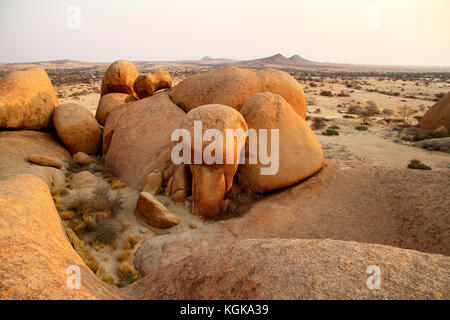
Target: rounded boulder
{"x": 27, "y": 99}
{"x": 77, "y": 128}
{"x": 109, "y": 102}
{"x": 120, "y": 77}
{"x": 438, "y": 115}
{"x": 234, "y": 86}
{"x": 299, "y": 152}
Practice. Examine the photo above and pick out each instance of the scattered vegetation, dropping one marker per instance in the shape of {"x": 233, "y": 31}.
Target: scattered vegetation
{"x": 417, "y": 164}
{"x": 330, "y": 132}
{"x": 318, "y": 123}
{"x": 127, "y": 274}
{"x": 439, "y": 134}
{"x": 361, "y": 128}
{"x": 131, "y": 242}
{"x": 86, "y": 255}
{"x": 405, "y": 112}
{"x": 326, "y": 93}
{"x": 116, "y": 184}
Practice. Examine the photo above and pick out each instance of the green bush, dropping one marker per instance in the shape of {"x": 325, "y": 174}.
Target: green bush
{"x": 361, "y": 128}
{"x": 335, "y": 127}
{"x": 347, "y": 116}
{"x": 326, "y": 93}
{"x": 330, "y": 132}
{"x": 439, "y": 134}
{"x": 416, "y": 164}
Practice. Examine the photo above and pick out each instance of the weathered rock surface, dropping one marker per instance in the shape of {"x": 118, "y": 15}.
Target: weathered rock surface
{"x": 77, "y": 128}
{"x": 438, "y": 115}
{"x": 233, "y": 87}
{"x": 85, "y": 179}
{"x": 438, "y": 144}
{"x": 16, "y": 146}
{"x": 147, "y": 84}
{"x": 141, "y": 140}
{"x": 35, "y": 252}
{"x": 82, "y": 158}
{"x": 111, "y": 122}
{"x": 154, "y": 182}
{"x": 153, "y": 212}
{"x": 27, "y": 99}
{"x": 395, "y": 207}
{"x": 120, "y": 77}
{"x": 210, "y": 179}
{"x": 299, "y": 152}
{"x": 298, "y": 269}
{"x": 109, "y": 102}
{"x": 45, "y": 160}
{"x": 181, "y": 183}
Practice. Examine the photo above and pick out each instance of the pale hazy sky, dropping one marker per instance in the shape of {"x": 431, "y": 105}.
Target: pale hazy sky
{"x": 401, "y": 32}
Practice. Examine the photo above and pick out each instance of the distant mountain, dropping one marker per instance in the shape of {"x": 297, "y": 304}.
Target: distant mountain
{"x": 206, "y": 60}
{"x": 278, "y": 60}
{"x": 299, "y": 60}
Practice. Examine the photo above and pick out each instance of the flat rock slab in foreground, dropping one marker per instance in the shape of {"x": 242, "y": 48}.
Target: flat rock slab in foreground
{"x": 396, "y": 207}
{"x": 298, "y": 269}
{"x": 35, "y": 256}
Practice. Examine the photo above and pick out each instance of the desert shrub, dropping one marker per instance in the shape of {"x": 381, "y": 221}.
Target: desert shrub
{"x": 388, "y": 112}
{"x": 354, "y": 110}
{"x": 405, "y": 112}
{"x": 370, "y": 111}
{"x": 312, "y": 85}
{"x": 348, "y": 117}
{"x": 127, "y": 274}
{"x": 318, "y": 110}
{"x": 343, "y": 94}
{"x": 124, "y": 255}
{"x": 336, "y": 127}
{"x": 67, "y": 215}
{"x": 108, "y": 237}
{"x": 361, "y": 128}
{"x": 439, "y": 134}
{"x": 88, "y": 257}
{"x": 330, "y": 132}
{"x": 131, "y": 242}
{"x": 418, "y": 118}
{"x": 308, "y": 118}
{"x": 318, "y": 123}
{"x": 417, "y": 164}
{"x": 440, "y": 95}
{"x": 116, "y": 184}
{"x": 326, "y": 93}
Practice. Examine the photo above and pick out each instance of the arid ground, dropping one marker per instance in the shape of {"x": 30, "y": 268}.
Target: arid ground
{"x": 365, "y": 119}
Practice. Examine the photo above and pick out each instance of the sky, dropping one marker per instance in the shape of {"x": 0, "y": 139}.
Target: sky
{"x": 383, "y": 32}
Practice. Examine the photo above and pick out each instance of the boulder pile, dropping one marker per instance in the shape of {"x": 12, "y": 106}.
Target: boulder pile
{"x": 137, "y": 136}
